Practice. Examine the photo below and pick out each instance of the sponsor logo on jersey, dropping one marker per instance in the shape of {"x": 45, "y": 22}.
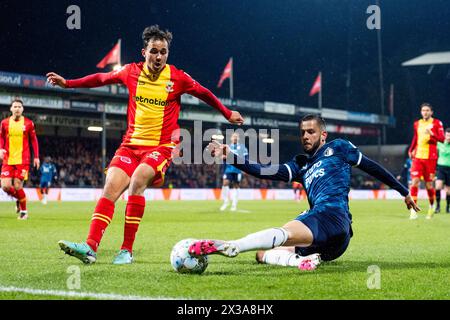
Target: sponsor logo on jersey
{"x": 156, "y": 102}
{"x": 314, "y": 172}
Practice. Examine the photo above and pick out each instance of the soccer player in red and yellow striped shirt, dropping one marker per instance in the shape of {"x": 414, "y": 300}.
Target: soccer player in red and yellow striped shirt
{"x": 423, "y": 152}
{"x": 16, "y": 134}
{"x": 155, "y": 90}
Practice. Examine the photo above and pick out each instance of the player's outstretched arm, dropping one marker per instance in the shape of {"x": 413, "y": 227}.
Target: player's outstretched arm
{"x": 90, "y": 81}
{"x": 379, "y": 172}
{"x": 271, "y": 172}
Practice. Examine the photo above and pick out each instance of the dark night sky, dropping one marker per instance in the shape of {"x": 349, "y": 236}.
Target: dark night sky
{"x": 278, "y": 47}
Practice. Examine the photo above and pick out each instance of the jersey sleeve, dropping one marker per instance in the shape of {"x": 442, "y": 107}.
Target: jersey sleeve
{"x": 192, "y": 87}
{"x": 34, "y": 140}
{"x": 350, "y": 153}
{"x": 2, "y": 136}
{"x": 413, "y": 145}
{"x": 278, "y": 172}
{"x": 438, "y": 134}
{"x": 101, "y": 79}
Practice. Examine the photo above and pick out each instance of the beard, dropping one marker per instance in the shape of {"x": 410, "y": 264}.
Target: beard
{"x": 313, "y": 148}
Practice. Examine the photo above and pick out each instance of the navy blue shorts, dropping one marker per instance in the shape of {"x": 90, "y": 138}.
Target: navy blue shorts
{"x": 233, "y": 177}
{"x": 45, "y": 184}
{"x": 331, "y": 229}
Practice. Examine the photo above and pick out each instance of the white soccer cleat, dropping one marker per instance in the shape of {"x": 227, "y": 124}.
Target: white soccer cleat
{"x": 223, "y": 207}
{"x": 233, "y": 208}
{"x": 413, "y": 215}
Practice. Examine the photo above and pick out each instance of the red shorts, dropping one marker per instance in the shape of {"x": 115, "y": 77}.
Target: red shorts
{"x": 18, "y": 171}
{"x": 129, "y": 158}
{"x": 423, "y": 168}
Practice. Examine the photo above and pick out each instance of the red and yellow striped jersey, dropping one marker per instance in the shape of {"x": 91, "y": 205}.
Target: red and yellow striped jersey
{"x": 424, "y": 145}
{"x": 154, "y": 101}
{"x": 15, "y": 138}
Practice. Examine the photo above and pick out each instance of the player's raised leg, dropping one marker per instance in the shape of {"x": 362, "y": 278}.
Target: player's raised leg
{"x": 116, "y": 182}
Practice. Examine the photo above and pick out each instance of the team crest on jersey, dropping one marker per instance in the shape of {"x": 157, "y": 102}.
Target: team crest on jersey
{"x": 328, "y": 152}
{"x": 154, "y": 155}
{"x": 169, "y": 86}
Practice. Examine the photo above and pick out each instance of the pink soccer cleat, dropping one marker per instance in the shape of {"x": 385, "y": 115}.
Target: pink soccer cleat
{"x": 205, "y": 247}
{"x": 310, "y": 262}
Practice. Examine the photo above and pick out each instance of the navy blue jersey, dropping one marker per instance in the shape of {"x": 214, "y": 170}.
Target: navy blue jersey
{"x": 48, "y": 172}
{"x": 326, "y": 175}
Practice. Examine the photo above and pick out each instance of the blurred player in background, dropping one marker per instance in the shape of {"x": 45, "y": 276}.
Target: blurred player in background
{"x": 48, "y": 174}
{"x": 323, "y": 231}
{"x": 428, "y": 131}
{"x": 232, "y": 176}
{"x": 443, "y": 171}
{"x": 297, "y": 186}
{"x": 16, "y": 134}
{"x": 155, "y": 90}
{"x": 405, "y": 175}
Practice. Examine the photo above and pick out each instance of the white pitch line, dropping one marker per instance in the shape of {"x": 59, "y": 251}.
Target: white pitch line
{"x": 76, "y": 294}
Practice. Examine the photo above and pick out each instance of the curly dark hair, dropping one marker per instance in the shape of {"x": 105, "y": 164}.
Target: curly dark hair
{"x": 154, "y": 33}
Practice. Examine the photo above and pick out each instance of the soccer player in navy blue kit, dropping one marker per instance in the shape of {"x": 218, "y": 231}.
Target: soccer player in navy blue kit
{"x": 232, "y": 176}
{"x": 323, "y": 232}
{"x": 48, "y": 173}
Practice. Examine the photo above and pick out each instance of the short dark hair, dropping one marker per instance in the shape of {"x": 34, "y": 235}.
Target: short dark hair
{"x": 154, "y": 33}
{"x": 426, "y": 104}
{"x": 17, "y": 100}
{"x": 447, "y": 130}
{"x": 317, "y": 118}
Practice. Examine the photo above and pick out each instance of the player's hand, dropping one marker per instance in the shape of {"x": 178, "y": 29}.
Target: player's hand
{"x": 56, "y": 80}
{"x": 218, "y": 150}
{"x": 411, "y": 204}
{"x": 236, "y": 118}
{"x": 2, "y": 154}
{"x": 36, "y": 163}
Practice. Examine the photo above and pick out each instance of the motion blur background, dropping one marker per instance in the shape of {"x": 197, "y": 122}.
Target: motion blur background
{"x": 278, "y": 49}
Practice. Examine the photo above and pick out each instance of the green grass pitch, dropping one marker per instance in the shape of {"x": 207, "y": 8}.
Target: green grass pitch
{"x": 413, "y": 257}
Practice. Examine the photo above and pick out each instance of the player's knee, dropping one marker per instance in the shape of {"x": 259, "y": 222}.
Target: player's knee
{"x": 260, "y": 256}
{"x": 138, "y": 185}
